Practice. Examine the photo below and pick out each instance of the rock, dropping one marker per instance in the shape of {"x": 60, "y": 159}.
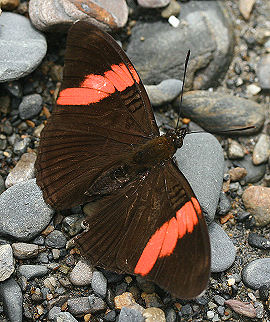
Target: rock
{"x": 224, "y": 204}
{"x": 257, "y": 201}
{"x": 130, "y": 314}
{"x": 154, "y": 314}
{"x": 2, "y": 185}
{"x": 21, "y": 146}
{"x": 96, "y": 304}
{"x": 173, "y": 9}
{"x": 6, "y": 262}
{"x": 258, "y": 241}
{"x": 12, "y": 298}
{"x": 261, "y": 150}
{"x": 263, "y": 72}
{"x": 203, "y": 168}
{"x": 245, "y": 7}
{"x": 47, "y": 15}
{"x": 237, "y": 174}
{"x": 21, "y": 53}
{"x": 32, "y": 271}
{"x": 56, "y": 239}
{"x": 9, "y": 4}
{"x": 54, "y": 312}
{"x": 253, "y": 89}
{"x": 23, "y": 171}
{"x": 254, "y": 173}
{"x": 81, "y": 274}
{"x": 246, "y": 309}
{"x": 72, "y": 224}
{"x": 235, "y": 150}
{"x": 23, "y": 212}
{"x": 125, "y": 299}
{"x": 216, "y": 112}
{"x": 223, "y": 251}
{"x": 99, "y": 284}
{"x": 206, "y": 31}
{"x": 79, "y": 306}
{"x": 24, "y": 250}
{"x": 64, "y": 317}
{"x": 30, "y": 106}
{"x": 153, "y": 3}
{"x": 165, "y": 92}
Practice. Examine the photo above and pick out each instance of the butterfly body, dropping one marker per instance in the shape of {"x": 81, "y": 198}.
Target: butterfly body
{"x": 102, "y": 142}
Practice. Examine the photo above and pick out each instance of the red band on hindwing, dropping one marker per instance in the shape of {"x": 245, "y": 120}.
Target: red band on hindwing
{"x": 164, "y": 240}
{"x": 95, "y": 88}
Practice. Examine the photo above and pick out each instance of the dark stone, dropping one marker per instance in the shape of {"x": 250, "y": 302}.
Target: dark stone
{"x": 56, "y": 239}
{"x": 224, "y": 204}
{"x": 257, "y": 273}
{"x": 258, "y": 241}
{"x": 216, "y": 112}
{"x": 161, "y": 55}
{"x": 130, "y": 315}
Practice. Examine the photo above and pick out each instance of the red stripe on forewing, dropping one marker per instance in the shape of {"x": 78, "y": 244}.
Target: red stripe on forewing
{"x": 164, "y": 240}
{"x": 95, "y": 88}
{"x": 151, "y": 251}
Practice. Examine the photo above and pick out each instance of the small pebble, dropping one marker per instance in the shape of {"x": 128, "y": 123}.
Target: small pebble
{"x": 237, "y": 174}
{"x": 6, "y": 262}
{"x": 245, "y": 7}
{"x": 263, "y": 72}
{"x": 64, "y": 317}
{"x": 246, "y": 309}
{"x": 257, "y": 201}
{"x": 154, "y": 314}
{"x": 32, "y": 271}
{"x": 153, "y": 3}
{"x": 30, "y": 106}
{"x": 24, "y": 250}
{"x": 81, "y": 274}
{"x": 99, "y": 284}
{"x": 21, "y": 146}
{"x": 235, "y": 150}
{"x": 258, "y": 241}
{"x": 78, "y": 305}
{"x": 257, "y": 273}
{"x": 56, "y": 239}
{"x": 125, "y": 299}
{"x": 261, "y": 150}
{"x": 96, "y": 304}
{"x": 253, "y": 89}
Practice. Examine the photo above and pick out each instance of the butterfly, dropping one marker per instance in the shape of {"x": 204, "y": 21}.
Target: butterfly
{"x": 102, "y": 144}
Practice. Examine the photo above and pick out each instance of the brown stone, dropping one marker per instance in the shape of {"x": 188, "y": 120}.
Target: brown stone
{"x": 236, "y": 174}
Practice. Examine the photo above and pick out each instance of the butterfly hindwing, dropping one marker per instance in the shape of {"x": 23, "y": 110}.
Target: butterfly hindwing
{"x": 163, "y": 226}
{"x": 102, "y": 111}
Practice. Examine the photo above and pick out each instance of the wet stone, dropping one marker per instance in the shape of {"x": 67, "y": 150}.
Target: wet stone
{"x": 6, "y": 262}
{"x": 258, "y": 241}
{"x": 208, "y": 34}
{"x": 214, "y": 111}
{"x": 30, "y": 106}
{"x": 56, "y": 239}
{"x": 223, "y": 251}
{"x": 257, "y": 201}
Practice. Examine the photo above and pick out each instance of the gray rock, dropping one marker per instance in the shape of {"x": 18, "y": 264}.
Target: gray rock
{"x": 254, "y": 173}
{"x": 130, "y": 315}
{"x": 201, "y": 161}
{"x": 99, "y": 284}
{"x": 21, "y": 53}
{"x": 165, "y": 92}
{"x": 2, "y": 185}
{"x": 258, "y": 241}
{"x": 224, "y": 204}
{"x": 32, "y": 271}
{"x": 56, "y": 239}
{"x": 31, "y": 105}
{"x": 216, "y": 112}
{"x": 96, "y": 304}
{"x": 206, "y": 31}
{"x": 235, "y": 150}
{"x": 23, "y": 212}
{"x": 261, "y": 150}
{"x": 72, "y": 224}
{"x": 263, "y": 72}
{"x": 54, "y": 311}
{"x": 223, "y": 251}
{"x": 81, "y": 274}
{"x": 79, "y": 306}
{"x": 153, "y": 3}
{"x": 20, "y": 147}
{"x": 11, "y": 295}
{"x": 23, "y": 171}
{"x": 6, "y": 262}
{"x": 24, "y": 250}
{"x": 64, "y": 317}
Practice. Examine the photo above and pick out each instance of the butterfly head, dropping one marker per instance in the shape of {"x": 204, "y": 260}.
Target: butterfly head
{"x": 177, "y": 136}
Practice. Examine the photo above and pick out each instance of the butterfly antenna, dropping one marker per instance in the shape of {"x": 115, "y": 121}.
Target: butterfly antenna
{"x": 182, "y": 90}
{"x": 225, "y": 131}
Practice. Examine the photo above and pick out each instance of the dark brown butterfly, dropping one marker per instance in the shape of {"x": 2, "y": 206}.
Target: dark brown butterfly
{"x": 102, "y": 143}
